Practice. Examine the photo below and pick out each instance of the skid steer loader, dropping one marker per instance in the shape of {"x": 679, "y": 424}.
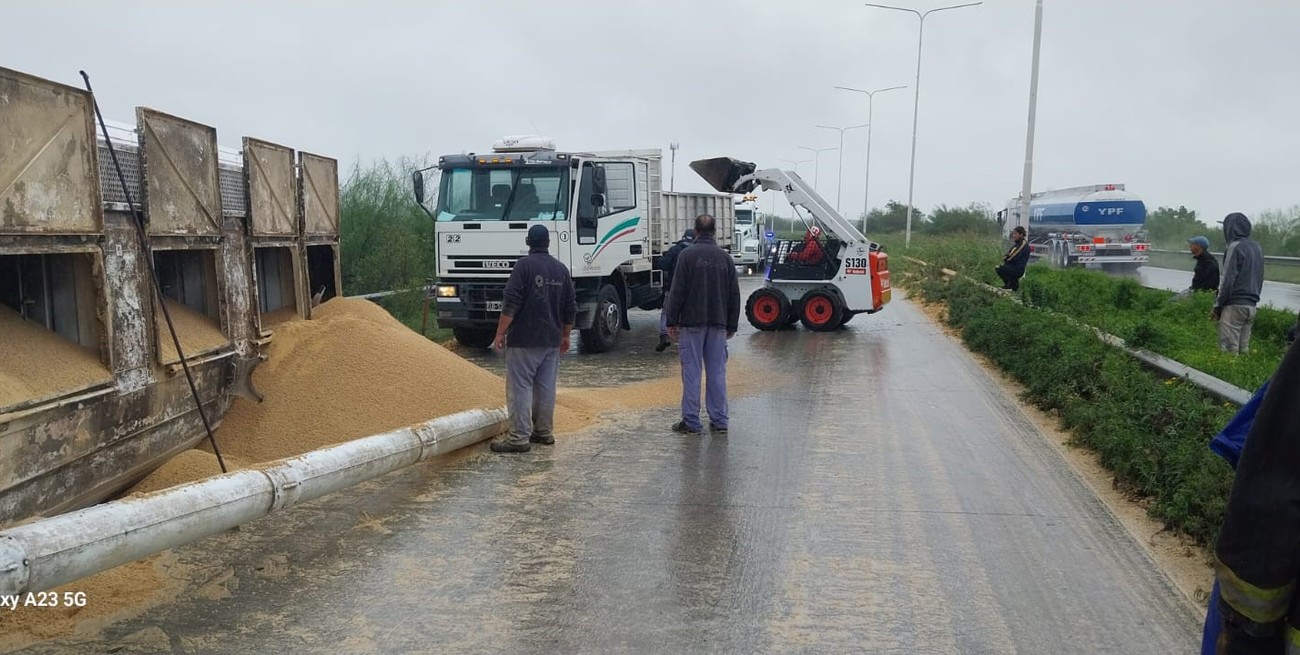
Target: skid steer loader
{"x": 823, "y": 280}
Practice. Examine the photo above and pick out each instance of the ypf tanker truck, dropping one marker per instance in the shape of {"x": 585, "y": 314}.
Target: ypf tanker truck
{"x": 1098, "y": 224}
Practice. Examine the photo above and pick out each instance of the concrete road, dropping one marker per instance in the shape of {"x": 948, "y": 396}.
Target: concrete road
{"x": 1278, "y": 294}
{"x": 883, "y": 496}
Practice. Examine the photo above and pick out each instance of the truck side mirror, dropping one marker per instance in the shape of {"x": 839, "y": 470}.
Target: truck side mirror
{"x": 597, "y": 200}
{"x": 1002, "y": 218}
{"x": 598, "y": 180}
{"x": 417, "y": 183}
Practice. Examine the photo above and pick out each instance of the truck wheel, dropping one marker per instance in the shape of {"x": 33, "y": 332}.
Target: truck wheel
{"x": 603, "y": 333}
{"x": 822, "y": 312}
{"x": 768, "y": 309}
{"x": 476, "y": 338}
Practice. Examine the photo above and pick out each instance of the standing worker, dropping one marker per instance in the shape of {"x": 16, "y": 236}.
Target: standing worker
{"x": 1257, "y": 554}
{"x": 1015, "y": 261}
{"x": 703, "y": 313}
{"x": 536, "y": 318}
{"x": 1243, "y": 279}
{"x": 668, "y": 263}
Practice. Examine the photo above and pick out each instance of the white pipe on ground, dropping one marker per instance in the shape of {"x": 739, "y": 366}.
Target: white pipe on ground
{"x": 47, "y": 553}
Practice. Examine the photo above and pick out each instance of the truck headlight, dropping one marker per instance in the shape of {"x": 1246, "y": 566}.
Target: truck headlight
{"x": 446, "y": 291}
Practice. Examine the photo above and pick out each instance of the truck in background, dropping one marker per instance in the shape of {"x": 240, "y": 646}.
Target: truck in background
{"x": 754, "y": 241}
{"x": 609, "y": 218}
{"x": 1100, "y": 224}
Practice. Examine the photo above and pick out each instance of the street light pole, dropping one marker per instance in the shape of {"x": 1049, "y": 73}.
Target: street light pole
{"x": 672, "y": 178}
{"x": 871, "y": 101}
{"x": 916, "y": 99}
{"x": 839, "y": 176}
{"x": 1026, "y": 188}
{"x": 817, "y": 161}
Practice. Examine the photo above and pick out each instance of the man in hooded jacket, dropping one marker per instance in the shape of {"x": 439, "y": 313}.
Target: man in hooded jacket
{"x": 1243, "y": 278}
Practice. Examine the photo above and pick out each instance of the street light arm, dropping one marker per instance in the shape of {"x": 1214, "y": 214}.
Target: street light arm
{"x": 910, "y": 11}
{"x": 969, "y": 4}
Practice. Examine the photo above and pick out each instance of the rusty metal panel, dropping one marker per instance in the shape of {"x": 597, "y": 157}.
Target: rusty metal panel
{"x": 48, "y": 168}
{"x": 272, "y": 189}
{"x": 320, "y": 195}
{"x": 181, "y": 188}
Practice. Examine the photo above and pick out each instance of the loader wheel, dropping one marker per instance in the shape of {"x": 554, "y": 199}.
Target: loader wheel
{"x": 768, "y": 309}
{"x": 603, "y": 333}
{"x": 822, "y": 312}
{"x": 476, "y": 338}
{"x": 848, "y": 316}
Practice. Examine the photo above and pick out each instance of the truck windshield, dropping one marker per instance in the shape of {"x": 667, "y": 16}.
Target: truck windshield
{"x": 744, "y": 217}
{"x": 503, "y": 194}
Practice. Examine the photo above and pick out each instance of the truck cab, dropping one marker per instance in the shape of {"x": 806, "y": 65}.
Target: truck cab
{"x": 751, "y": 248}
{"x": 597, "y": 206}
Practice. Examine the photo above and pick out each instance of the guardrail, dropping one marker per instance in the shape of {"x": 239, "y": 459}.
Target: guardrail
{"x": 1268, "y": 259}
{"x": 1200, "y": 379}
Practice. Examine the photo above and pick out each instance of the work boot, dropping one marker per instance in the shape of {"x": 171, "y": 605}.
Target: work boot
{"x": 664, "y": 342}
{"x": 545, "y": 440}
{"x": 718, "y": 430}
{"x": 680, "y": 427}
{"x": 507, "y": 447}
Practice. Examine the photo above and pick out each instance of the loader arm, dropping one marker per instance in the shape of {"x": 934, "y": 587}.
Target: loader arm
{"x": 732, "y": 176}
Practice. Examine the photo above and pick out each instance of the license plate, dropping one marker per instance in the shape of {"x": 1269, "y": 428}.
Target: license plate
{"x": 496, "y": 263}
{"x": 494, "y": 305}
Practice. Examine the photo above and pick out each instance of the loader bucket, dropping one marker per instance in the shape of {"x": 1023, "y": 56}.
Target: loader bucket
{"x": 722, "y": 173}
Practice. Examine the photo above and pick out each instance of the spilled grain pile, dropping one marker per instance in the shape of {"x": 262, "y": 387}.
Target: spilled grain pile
{"x": 350, "y": 372}
{"x": 35, "y": 362}
{"x": 188, "y": 466}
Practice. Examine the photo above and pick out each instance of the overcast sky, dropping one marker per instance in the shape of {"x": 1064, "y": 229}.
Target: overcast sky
{"x": 1189, "y": 102}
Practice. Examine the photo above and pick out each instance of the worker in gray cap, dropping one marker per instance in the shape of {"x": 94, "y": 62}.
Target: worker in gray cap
{"x": 1205, "y": 277}
{"x": 537, "y": 315}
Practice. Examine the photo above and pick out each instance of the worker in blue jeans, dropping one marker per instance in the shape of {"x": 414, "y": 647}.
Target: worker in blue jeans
{"x": 703, "y": 312}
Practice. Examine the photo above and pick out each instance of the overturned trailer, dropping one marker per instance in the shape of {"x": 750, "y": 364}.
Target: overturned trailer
{"x": 91, "y": 392}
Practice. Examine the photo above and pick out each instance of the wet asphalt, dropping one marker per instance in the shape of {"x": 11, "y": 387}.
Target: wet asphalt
{"x": 1278, "y": 294}
{"x": 882, "y": 495}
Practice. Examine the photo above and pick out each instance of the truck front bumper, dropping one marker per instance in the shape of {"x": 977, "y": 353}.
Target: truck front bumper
{"x": 468, "y": 304}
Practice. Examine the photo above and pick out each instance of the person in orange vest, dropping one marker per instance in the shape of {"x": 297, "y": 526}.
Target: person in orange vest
{"x": 810, "y": 252}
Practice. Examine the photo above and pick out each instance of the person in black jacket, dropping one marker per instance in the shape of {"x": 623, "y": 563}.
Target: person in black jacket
{"x": 537, "y": 317}
{"x": 667, "y": 262}
{"x": 1257, "y": 553}
{"x": 1015, "y": 261}
{"x": 704, "y": 311}
{"x": 1206, "y": 275}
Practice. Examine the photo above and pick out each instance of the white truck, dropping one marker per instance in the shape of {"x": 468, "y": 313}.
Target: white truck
{"x": 1099, "y": 224}
{"x": 753, "y": 241}
{"x": 608, "y": 222}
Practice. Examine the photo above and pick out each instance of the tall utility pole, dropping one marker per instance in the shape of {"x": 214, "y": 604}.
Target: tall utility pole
{"x": 817, "y": 161}
{"x": 839, "y": 174}
{"x": 672, "y": 178}
{"x": 871, "y": 100}
{"x": 916, "y": 99}
{"x": 1026, "y": 187}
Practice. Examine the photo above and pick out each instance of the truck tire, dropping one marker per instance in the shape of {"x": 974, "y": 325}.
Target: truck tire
{"x": 603, "y": 333}
{"x": 476, "y": 338}
{"x": 822, "y": 311}
{"x": 768, "y": 309}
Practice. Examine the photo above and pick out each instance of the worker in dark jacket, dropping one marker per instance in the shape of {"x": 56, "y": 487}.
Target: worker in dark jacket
{"x": 703, "y": 313}
{"x": 667, "y": 263}
{"x": 1258, "y": 550}
{"x": 1206, "y": 275}
{"x": 536, "y": 318}
{"x": 1243, "y": 279}
{"x": 1015, "y": 261}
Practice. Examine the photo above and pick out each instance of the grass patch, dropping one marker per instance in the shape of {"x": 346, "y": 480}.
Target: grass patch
{"x": 1181, "y": 262}
{"x": 1145, "y": 318}
{"x": 1151, "y": 433}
